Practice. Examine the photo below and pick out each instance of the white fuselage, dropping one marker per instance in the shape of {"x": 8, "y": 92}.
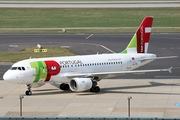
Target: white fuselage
{"x": 36, "y": 71}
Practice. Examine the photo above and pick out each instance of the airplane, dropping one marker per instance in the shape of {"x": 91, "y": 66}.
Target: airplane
{"x": 82, "y": 72}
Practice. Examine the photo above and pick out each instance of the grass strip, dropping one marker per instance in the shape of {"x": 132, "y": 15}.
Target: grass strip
{"x": 29, "y": 52}
{"x": 96, "y": 17}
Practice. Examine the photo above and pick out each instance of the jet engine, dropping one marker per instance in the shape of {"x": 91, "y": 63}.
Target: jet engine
{"x": 80, "y": 84}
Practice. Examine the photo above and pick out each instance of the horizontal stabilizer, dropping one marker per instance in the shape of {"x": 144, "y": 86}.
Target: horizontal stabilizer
{"x": 158, "y": 58}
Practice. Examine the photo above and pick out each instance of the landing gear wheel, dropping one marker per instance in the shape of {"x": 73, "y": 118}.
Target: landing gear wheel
{"x": 28, "y": 92}
{"x": 92, "y": 90}
{"x": 95, "y": 89}
{"x": 64, "y": 86}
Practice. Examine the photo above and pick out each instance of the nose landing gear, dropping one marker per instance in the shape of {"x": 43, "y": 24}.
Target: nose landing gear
{"x": 28, "y": 92}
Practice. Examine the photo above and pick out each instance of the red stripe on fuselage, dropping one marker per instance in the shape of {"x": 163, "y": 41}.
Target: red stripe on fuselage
{"x": 53, "y": 68}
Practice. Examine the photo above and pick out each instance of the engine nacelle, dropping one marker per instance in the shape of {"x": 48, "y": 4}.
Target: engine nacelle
{"x": 80, "y": 84}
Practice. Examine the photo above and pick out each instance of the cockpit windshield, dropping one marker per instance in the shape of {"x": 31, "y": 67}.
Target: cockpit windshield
{"x": 17, "y": 68}
{"x": 13, "y": 68}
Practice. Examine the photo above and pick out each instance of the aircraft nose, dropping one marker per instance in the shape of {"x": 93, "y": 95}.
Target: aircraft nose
{"x": 6, "y": 77}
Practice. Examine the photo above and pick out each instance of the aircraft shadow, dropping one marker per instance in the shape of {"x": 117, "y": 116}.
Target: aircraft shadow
{"x": 121, "y": 89}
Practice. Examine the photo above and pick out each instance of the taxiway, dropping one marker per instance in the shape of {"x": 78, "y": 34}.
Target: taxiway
{"x": 164, "y": 44}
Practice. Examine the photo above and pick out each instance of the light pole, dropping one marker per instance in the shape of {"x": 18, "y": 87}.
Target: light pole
{"x": 129, "y": 98}
{"x": 20, "y": 98}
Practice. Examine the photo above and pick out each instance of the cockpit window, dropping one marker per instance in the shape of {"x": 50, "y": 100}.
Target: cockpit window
{"x": 23, "y": 68}
{"x": 13, "y": 68}
{"x": 19, "y": 68}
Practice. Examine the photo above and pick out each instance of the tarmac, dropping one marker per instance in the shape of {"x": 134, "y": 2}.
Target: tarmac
{"x": 150, "y": 98}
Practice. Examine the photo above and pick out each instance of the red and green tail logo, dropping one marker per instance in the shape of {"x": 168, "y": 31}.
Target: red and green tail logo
{"x": 140, "y": 41}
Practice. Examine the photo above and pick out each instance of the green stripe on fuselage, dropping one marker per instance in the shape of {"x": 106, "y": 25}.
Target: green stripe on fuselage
{"x": 40, "y": 70}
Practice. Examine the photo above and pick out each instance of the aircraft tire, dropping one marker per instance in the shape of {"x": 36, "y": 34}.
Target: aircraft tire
{"x": 92, "y": 90}
{"x": 95, "y": 89}
{"x": 28, "y": 92}
{"x": 64, "y": 86}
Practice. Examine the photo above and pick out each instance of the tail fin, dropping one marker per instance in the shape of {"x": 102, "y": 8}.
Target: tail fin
{"x": 140, "y": 41}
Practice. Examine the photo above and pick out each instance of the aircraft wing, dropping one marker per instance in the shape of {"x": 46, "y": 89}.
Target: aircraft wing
{"x": 116, "y": 73}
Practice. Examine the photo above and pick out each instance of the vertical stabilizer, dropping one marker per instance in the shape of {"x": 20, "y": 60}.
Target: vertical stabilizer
{"x": 140, "y": 41}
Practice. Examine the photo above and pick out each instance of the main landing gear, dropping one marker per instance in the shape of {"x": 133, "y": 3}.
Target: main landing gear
{"x": 94, "y": 87}
{"x": 28, "y": 92}
{"x": 64, "y": 86}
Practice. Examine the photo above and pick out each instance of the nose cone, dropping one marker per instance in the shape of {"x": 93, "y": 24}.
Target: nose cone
{"x": 6, "y": 76}
{"x": 9, "y": 77}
